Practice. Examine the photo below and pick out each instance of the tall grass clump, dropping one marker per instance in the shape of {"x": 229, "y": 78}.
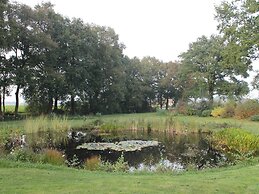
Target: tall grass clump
{"x": 44, "y": 123}
{"x": 46, "y": 132}
{"x": 53, "y": 156}
{"x": 238, "y": 142}
{"x": 92, "y": 163}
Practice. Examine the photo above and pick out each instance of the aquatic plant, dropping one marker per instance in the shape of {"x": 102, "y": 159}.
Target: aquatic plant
{"x": 236, "y": 142}
{"x": 119, "y": 166}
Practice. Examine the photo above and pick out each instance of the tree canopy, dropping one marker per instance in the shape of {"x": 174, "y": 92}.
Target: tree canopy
{"x": 62, "y": 64}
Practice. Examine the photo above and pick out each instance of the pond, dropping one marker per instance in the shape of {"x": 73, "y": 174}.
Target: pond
{"x": 141, "y": 149}
{"x": 175, "y": 151}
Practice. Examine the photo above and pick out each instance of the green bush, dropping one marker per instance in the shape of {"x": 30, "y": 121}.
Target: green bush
{"x": 254, "y": 118}
{"x": 247, "y": 109}
{"x": 206, "y": 113}
{"x": 24, "y": 155}
{"x": 236, "y": 142}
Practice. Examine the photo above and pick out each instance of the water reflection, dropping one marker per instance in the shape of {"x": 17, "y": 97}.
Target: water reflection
{"x": 175, "y": 151}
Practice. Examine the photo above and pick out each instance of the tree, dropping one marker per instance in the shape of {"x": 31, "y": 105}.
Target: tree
{"x": 168, "y": 83}
{"x": 238, "y": 22}
{"x": 3, "y": 46}
{"x": 205, "y": 61}
{"x": 19, "y": 37}
{"x": 47, "y": 81}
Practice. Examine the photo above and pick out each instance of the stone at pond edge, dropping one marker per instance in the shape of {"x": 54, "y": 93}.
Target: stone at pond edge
{"x": 126, "y": 146}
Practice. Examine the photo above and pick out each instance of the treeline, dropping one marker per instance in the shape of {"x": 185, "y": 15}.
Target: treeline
{"x": 60, "y": 62}
{"x": 55, "y": 60}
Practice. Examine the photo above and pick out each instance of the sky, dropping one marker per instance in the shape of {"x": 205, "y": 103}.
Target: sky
{"x": 158, "y": 28}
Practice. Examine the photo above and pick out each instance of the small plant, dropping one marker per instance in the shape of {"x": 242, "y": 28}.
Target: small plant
{"x": 73, "y": 162}
{"x": 254, "y": 118}
{"x": 119, "y": 166}
{"x": 24, "y": 155}
{"x": 92, "y": 163}
{"x": 206, "y": 113}
{"x": 52, "y": 156}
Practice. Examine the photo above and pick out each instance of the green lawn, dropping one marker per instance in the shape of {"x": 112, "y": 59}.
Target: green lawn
{"x": 24, "y": 178}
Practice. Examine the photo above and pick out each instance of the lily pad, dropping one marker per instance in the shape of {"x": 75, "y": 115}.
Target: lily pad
{"x": 126, "y": 146}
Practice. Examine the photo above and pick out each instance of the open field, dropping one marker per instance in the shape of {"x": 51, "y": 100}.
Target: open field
{"x": 29, "y": 178}
{"x": 10, "y": 108}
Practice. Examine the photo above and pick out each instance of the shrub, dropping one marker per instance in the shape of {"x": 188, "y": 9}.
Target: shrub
{"x": 247, "y": 109}
{"x": 254, "y": 118}
{"x": 186, "y": 109}
{"x": 236, "y": 141}
{"x": 229, "y": 109}
{"x": 206, "y": 113}
{"x": 24, "y": 155}
{"x": 217, "y": 112}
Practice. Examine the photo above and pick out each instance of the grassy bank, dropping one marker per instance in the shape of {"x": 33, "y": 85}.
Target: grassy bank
{"x": 156, "y": 121}
{"x": 28, "y": 178}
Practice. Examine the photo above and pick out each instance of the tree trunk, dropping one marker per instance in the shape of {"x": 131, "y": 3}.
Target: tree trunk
{"x": 161, "y": 101}
{"x": 4, "y": 100}
{"x": 167, "y": 103}
{"x": 17, "y": 100}
{"x": 1, "y": 113}
{"x": 72, "y": 105}
{"x": 50, "y": 105}
{"x": 211, "y": 90}
{"x": 55, "y": 104}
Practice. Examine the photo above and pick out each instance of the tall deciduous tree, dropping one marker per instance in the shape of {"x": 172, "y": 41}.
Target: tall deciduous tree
{"x": 205, "y": 61}
{"x": 238, "y": 22}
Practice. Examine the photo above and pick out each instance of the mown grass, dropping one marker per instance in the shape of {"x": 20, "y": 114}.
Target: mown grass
{"x": 16, "y": 177}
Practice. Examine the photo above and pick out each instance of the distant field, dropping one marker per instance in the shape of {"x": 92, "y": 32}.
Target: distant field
{"x": 10, "y": 108}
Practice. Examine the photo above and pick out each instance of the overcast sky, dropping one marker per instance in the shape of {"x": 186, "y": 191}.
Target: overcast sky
{"x": 159, "y": 28}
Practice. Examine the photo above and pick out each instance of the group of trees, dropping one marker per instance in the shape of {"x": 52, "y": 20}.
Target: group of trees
{"x": 53, "y": 59}
{"x": 56, "y": 60}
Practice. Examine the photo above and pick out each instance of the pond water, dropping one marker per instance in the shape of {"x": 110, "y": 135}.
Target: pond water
{"x": 141, "y": 149}
{"x": 176, "y": 151}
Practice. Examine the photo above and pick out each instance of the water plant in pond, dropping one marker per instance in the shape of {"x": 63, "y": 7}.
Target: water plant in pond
{"x": 119, "y": 166}
{"x": 122, "y": 146}
{"x": 237, "y": 142}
